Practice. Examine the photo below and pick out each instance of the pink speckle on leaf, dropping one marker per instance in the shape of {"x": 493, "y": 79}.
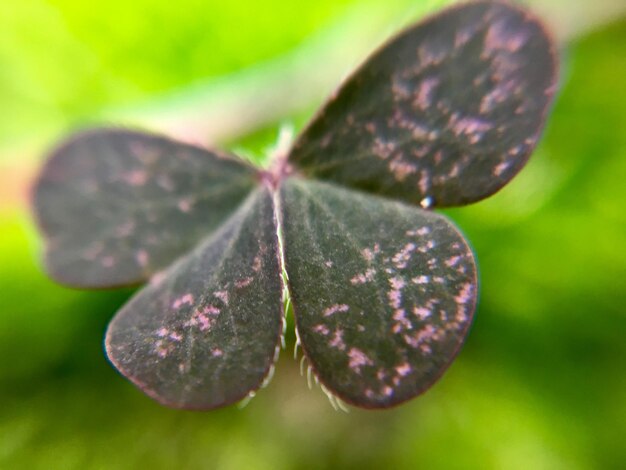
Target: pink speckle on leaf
{"x": 400, "y": 90}
{"x": 162, "y": 348}
{"x": 399, "y": 315}
{"x": 496, "y": 96}
{"x": 403, "y": 369}
{"x": 461, "y": 316}
{"x": 186, "y": 299}
{"x": 245, "y": 282}
{"x": 142, "y": 258}
{"x": 107, "y": 261}
{"x": 335, "y": 308}
{"x": 464, "y": 294}
{"x": 429, "y": 56}
{"x": 401, "y": 168}
{"x": 382, "y": 149}
{"x": 425, "y": 90}
{"x": 322, "y": 329}
{"x": 368, "y": 255}
{"x": 397, "y": 282}
{"x": 222, "y": 295}
{"x": 203, "y": 321}
{"x": 438, "y": 157}
{"x": 501, "y": 37}
{"x": 174, "y": 336}
{"x": 363, "y": 278}
{"x": 184, "y": 205}
{"x": 158, "y": 278}
{"x": 401, "y": 321}
{"x": 471, "y": 126}
{"x": 402, "y": 257}
{"x": 337, "y": 340}
{"x": 204, "y": 318}
{"x": 452, "y": 261}
{"x": 162, "y": 351}
{"x": 136, "y": 178}
{"x": 395, "y": 298}
{"x": 424, "y": 182}
{"x": 420, "y": 280}
{"x": 420, "y": 232}
{"x": 395, "y": 294}
{"x": 211, "y": 310}
{"x": 358, "y": 359}
{"x": 424, "y": 335}
{"x": 462, "y": 37}
{"x": 500, "y": 168}
{"x": 422, "y": 313}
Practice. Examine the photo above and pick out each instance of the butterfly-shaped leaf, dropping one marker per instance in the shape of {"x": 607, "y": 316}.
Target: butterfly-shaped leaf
{"x": 383, "y": 290}
{"x": 204, "y": 333}
{"x": 117, "y": 206}
{"x": 394, "y": 292}
{"x": 444, "y": 114}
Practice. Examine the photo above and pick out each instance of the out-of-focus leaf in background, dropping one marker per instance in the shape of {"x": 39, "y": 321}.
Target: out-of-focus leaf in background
{"x": 540, "y": 382}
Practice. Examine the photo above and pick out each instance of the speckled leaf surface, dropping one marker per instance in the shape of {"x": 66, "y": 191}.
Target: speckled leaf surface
{"x": 446, "y": 113}
{"x": 383, "y": 292}
{"x": 117, "y": 206}
{"x": 205, "y": 332}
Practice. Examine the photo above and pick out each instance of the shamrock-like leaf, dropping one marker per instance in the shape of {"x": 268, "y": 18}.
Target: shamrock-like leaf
{"x": 446, "y": 113}
{"x": 203, "y": 334}
{"x": 383, "y": 290}
{"x": 117, "y": 206}
{"x": 395, "y": 291}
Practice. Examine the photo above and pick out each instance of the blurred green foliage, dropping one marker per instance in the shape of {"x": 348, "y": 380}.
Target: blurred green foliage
{"x": 66, "y": 59}
{"x": 541, "y": 382}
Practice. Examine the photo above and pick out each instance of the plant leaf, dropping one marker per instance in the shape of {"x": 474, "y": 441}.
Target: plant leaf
{"x": 444, "y": 114}
{"x": 394, "y": 292}
{"x": 117, "y": 206}
{"x": 204, "y": 334}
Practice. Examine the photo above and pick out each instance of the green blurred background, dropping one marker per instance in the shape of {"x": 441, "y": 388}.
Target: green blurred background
{"x": 541, "y": 381}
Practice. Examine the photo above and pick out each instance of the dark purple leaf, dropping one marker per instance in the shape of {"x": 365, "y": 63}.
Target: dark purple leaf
{"x": 383, "y": 293}
{"x": 204, "y": 334}
{"x": 444, "y": 114}
{"x": 116, "y": 206}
